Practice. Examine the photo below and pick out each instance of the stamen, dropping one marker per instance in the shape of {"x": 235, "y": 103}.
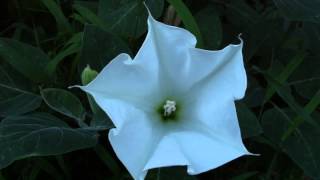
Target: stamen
{"x": 169, "y": 108}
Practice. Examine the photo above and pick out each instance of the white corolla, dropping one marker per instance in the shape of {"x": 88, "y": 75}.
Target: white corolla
{"x": 173, "y": 104}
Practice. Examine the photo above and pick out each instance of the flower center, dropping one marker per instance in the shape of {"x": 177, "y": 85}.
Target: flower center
{"x": 169, "y": 107}
{"x": 168, "y": 110}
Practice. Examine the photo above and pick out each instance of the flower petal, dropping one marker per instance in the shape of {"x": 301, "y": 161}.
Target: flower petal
{"x": 222, "y": 69}
{"x": 135, "y": 141}
{"x": 125, "y": 80}
{"x": 205, "y": 153}
{"x": 166, "y": 47}
{"x": 201, "y": 145}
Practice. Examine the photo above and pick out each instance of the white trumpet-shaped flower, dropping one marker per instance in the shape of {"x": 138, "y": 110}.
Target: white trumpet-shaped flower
{"x": 173, "y": 104}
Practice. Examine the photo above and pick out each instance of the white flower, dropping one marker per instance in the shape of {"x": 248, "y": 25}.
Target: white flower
{"x": 173, "y": 104}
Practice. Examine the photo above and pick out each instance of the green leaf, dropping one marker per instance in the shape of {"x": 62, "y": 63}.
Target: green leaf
{"x": 187, "y": 19}
{"x": 128, "y": 17}
{"x": 40, "y": 135}
{"x": 309, "y": 108}
{"x": 248, "y": 121}
{"x": 91, "y": 17}
{"x": 210, "y": 27}
{"x": 300, "y": 9}
{"x": 26, "y": 59}
{"x": 246, "y": 175}
{"x": 287, "y": 97}
{"x": 109, "y": 47}
{"x": 169, "y": 173}
{"x": 13, "y": 99}
{"x": 55, "y": 10}
{"x": 73, "y": 46}
{"x": 287, "y": 71}
{"x": 306, "y": 79}
{"x": 64, "y": 102}
{"x": 300, "y": 146}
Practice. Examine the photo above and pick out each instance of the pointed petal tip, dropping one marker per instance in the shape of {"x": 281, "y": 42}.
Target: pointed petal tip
{"x": 148, "y": 10}
{"x": 74, "y": 86}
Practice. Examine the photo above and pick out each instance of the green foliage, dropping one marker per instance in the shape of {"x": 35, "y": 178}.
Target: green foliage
{"x": 187, "y": 19}
{"x": 40, "y": 134}
{"x": 64, "y": 102}
{"x": 28, "y": 60}
{"x": 46, "y": 45}
{"x": 127, "y": 17}
{"x": 301, "y": 146}
{"x": 110, "y": 46}
{"x": 300, "y": 9}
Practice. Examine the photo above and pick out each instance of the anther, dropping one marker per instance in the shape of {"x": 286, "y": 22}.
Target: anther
{"x": 169, "y": 108}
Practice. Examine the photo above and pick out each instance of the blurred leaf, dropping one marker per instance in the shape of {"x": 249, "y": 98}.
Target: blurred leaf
{"x": 241, "y": 14}
{"x": 300, "y": 9}
{"x": 254, "y": 94}
{"x": 210, "y": 27}
{"x": 287, "y": 97}
{"x": 128, "y": 17}
{"x": 71, "y": 47}
{"x": 64, "y": 102}
{"x": 92, "y": 18}
{"x": 169, "y": 173}
{"x": 107, "y": 159}
{"x": 311, "y": 32}
{"x": 300, "y": 146}
{"x": 309, "y": 108}
{"x": 306, "y": 79}
{"x": 109, "y": 47}
{"x": 248, "y": 121}
{"x": 40, "y": 134}
{"x": 26, "y": 59}
{"x": 187, "y": 19}
{"x": 13, "y": 99}
{"x": 261, "y": 38}
{"x": 246, "y": 175}
{"x": 55, "y": 10}
{"x": 286, "y": 72}
{"x": 92, "y": 5}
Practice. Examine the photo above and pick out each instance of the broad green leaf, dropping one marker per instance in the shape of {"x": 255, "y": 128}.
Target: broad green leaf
{"x": 248, "y": 121}
{"x": 210, "y": 27}
{"x": 13, "y": 99}
{"x": 55, "y": 10}
{"x": 26, "y": 59}
{"x": 301, "y": 146}
{"x": 300, "y": 9}
{"x": 64, "y": 102}
{"x": 187, "y": 19}
{"x": 109, "y": 47}
{"x": 128, "y": 17}
{"x": 39, "y": 135}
